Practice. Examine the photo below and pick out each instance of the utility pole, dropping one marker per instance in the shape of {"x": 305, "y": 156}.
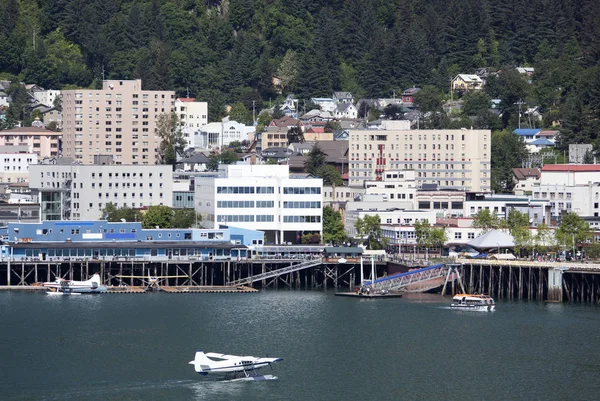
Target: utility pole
{"x": 520, "y": 102}
{"x": 33, "y": 38}
{"x": 253, "y": 113}
{"x": 451, "y": 94}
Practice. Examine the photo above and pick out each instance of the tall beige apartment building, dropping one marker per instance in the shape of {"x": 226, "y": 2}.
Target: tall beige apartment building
{"x": 457, "y": 159}
{"x": 119, "y": 120}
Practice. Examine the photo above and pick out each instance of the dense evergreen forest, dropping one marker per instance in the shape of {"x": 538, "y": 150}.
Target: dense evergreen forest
{"x": 228, "y": 51}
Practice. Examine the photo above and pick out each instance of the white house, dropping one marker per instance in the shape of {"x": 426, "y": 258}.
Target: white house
{"x": 46, "y": 97}
{"x": 14, "y": 167}
{"x": 346, "y": 110}
{"x": 262, "y": 197}
{"x": 324, "y": 103}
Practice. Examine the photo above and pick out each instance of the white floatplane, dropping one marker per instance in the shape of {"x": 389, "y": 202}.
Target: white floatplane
{"x": 63, "y": 286}
{"x": 232, "y": 366}
{"x": 475, "y": 302}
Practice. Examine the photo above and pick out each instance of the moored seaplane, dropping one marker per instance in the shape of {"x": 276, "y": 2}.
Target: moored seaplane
{"x": 152, "y": 282}
{"x": 232, "y": 367}
{"x": 61, "y": 286}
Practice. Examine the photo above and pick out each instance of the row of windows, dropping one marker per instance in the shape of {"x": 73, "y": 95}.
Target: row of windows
{"x": 301, "y": 219}
{"x": 236, "y": 204}
{"x": 301, "y": 190}
{"x": 235, "y": 190}
{"x": 301, "y": 205}
{"x": 440, "y": 205}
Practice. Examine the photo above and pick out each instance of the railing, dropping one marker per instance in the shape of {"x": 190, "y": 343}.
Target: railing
{"x": 401, "y": 280}
{"x": 528, "y": 263}
{"x": 278, "y": 272}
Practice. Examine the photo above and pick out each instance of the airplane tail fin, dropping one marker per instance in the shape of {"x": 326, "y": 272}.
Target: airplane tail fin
{"x": 95, "y": 280}
{"x": 201, "y": 363}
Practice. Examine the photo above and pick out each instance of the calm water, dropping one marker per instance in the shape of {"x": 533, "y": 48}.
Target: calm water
{"x": 133, "y": 347}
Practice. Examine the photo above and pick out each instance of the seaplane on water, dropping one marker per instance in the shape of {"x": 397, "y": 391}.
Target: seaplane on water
{"x": 152, "y": 282}
{"x": 232, "y": 367}
{"x": 62, "y": 286}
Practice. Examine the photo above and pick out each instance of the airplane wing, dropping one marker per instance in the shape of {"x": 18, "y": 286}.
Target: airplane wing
{"x": 269, "y": 360}
{"x": 222, "y": 356}
{"x": 147, "y": 277}
{"x": 171, "y": 276}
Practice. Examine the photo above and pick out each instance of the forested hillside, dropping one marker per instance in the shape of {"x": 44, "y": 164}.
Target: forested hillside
{"x": 225, "y": 51}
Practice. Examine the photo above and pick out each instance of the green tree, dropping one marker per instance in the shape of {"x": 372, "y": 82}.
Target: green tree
{"x": 172, "y": 140}
{"x": 486, "y": 220}
{"x": 369, "y": 232}
{"x": 295, "y": 135}
{"x": 544, "y": 237}
{"x": 508, "y": 152}
{"x": 315, "y": 161}
{"x": 330, "y": 176}
{"x": 572, "y": 230}
{"x": 311, "y": 239}
{"x": 240, "y": 114}
{"x": 113, "y": 214}
{"x": 158, "y": 216}
{"x": 430, "y": 237}
{"x": 271, "y": 161}
{"x": 333, "y": 227}
{"x": 186, "y": 218}
{"x": 288, "y": 70}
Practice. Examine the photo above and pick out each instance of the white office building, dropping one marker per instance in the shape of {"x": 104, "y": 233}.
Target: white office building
{"x": 80, "y": 192}
{"x": 262, "y": 197}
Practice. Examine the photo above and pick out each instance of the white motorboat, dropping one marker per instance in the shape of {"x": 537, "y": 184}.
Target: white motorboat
{"x": 475, "y": 302}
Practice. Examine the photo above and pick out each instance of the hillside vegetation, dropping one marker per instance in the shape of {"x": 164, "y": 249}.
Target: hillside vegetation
{"x": 228, "y": 51}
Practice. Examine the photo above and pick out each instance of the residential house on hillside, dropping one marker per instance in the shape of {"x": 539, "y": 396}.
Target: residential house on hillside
{"x": 290, "y": 106}
{"x": 336, "y": 155}
{"x": 408, "y": 96}
{"x": 326, "y": 104}
{"x": 467, "y": 82}
{"x": 196, "y": 162}
{"x": 528, "y": 134}
{"x": 346, "y": 110}
{"x": 4, "y": 99}
{"x": 343, "y": 97}
{"x": 315, "y": 133}
{"x": 279, "y": 154}
{"x": 525, "y": 179}
{"x": 315, "y": 115}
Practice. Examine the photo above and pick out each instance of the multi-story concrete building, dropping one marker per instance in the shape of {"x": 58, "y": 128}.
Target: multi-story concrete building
{"x": 570, "y": 188}
{"x": 120, "y": 119}
{"x": 388, "y": 217}
{"x": 192, "y": 116}
{"x": 43, "y": 142}
{"x": 455, "y": 159}
{"x": 262, "y": 197}
{"x": 396, "y": 185}
{"x": 14, "y": 167}
{"x": 80, "y": 192}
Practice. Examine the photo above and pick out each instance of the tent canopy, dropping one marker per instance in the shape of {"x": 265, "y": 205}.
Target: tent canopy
{"x": 493, "y": 239}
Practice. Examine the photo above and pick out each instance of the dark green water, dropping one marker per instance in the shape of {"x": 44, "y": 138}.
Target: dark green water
{"x": 136, "y": 347}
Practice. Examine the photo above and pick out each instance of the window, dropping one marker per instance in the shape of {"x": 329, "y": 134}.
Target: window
{"x": 457, "y": 235}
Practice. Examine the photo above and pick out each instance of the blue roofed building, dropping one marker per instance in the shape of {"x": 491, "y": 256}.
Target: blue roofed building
{"x": 528, "y": 134}
{"x": 109, "y": 241}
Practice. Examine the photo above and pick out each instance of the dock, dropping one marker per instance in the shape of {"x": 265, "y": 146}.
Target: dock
{"x": 207, "y": 289}
{"x": 369, "y": 296}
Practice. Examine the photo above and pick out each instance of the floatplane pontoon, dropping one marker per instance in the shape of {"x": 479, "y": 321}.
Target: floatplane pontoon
{"x": 61, "y": 286}
{"x": 232, "y": 367}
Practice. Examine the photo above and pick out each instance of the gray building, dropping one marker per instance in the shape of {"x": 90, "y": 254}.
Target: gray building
{"x": 80, "y": 192}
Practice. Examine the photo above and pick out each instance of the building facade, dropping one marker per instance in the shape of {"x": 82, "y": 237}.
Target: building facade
{"x": 221, "y": 134}
{"x": 262, "y": 197}
{"x": 455, "y": 159}
{"x": 80, "y": 192}
{"x": 14, "y": 167}
{"x": 43, "y": 142}
{"x": 120, "y": 119}
{"x": 46, "y": 97}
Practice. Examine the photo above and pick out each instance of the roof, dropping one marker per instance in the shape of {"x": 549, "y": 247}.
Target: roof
{"x": 343, "y": 249}
{"x": 285, "y": 121}
{"x": 469, "y": 77}
{"x": 527, "y": 131}
{"x": 41, "y": 130}
{"x": 186, "y": 99}
{"x": 524, "y": 173}
{"x": 547, "y": 134}
{"x": 542, "y": 142}
{"x": 342, "y": 107}
{"x": 493, "y": 239}
{"x": 411, "y": 91}
{"x": 195, "y": 158}
{"x": 342, "y": 95}
{"x": 571, "y": 167}
{"x": 316, "y": 130}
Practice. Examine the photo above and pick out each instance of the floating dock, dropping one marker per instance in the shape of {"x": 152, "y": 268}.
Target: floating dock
{"x": 208, "y": 289}
{"x": 369, "y": 296}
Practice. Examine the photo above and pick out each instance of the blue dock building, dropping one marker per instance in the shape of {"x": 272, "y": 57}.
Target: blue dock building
{"x": 101, "y": 240}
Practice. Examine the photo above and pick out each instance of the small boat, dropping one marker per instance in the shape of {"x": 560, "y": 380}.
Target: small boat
{"x": 476, "y": 302}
